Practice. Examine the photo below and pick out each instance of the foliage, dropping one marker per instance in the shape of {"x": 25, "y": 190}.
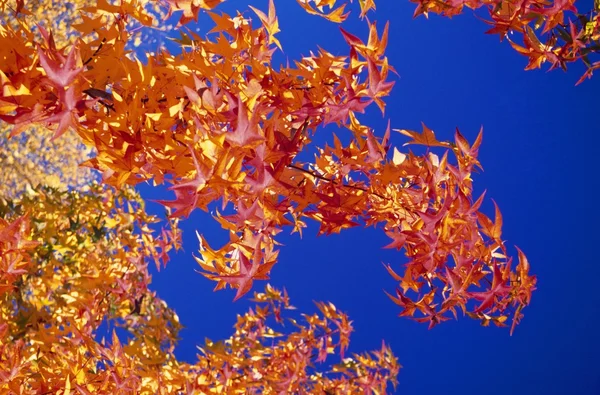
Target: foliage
{"x": 71, "y": 261}
{"x": 548, "y": 31}
{"x": 223, "y": 126}
{"x": 33, "y": 159}
{"x": 220, "y": 122}
{"x": 58, "y": 17}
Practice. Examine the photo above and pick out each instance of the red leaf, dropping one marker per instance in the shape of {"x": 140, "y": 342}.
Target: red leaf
{"x": 62, "y": 72}
{"x": 246, "y": 130}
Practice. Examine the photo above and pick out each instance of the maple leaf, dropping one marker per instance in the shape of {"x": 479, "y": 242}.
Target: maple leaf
{"x": 61, "y": 72}
{"x": 190, "y": 8}
{"x": 365, "y": 6}
{"x": 408, "y": 306}
{"x": 556, "y": 10}
{"x": 497, "y": 289}
{"x": 340, "y": 112}
{"x": 263, "y": 176}
{"x": 48, "y": 37}
{"x": 247, "y": 214}
{"x": 195, "y": 95}
{"x": 270, "y": 22}
{"x": 427, "y": 137}
{"x": 458, "y": 286}
{"x": 491, "y": 229}
{"x": 68, "y": 116}
{"x": 335, "y": 15}
{"x": 223, "y": 22}
{"x": 375, "y": 152}
{"x": 537, "y": 52}
{"x": 186, "y": 193}
{"x": 332, "y": 221}
{"x": 526, "y": 282}
{"x": 9, "y": 90}
{"x": 13, "y": 233}
{"x": 398, "y": 239}
{"x": 246, "y": 130}
{"x": 526, "y": 285}
{"x": 24, "y": 118}
{"x": 431, "y": 315}
{"x": 248, "y": 272}
{"x": 375, "y": 48}
{"x": 377, "y": 85}
{"x": 463, "y": 144}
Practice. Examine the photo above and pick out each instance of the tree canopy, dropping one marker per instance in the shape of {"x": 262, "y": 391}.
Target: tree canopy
{"x": 226, "y": 127}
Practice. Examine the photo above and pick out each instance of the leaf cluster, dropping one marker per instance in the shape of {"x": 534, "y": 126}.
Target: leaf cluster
{"x": 226, "y": 128}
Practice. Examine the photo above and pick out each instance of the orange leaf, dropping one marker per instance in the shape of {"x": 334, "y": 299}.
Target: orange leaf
{"x": 427, "y": 137}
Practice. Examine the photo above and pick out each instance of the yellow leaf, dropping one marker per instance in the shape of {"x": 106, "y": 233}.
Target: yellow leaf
{"x": 174, "y": 109}
{"x": 67, "y": 386}
{"x": 155, "y": 116}
{"x": 398, "y": 157}
{"x": 80, "y": 377}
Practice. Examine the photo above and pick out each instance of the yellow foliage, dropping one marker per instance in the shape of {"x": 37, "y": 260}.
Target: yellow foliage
{"x": 64, "y": 271}
{"x": 33, "y": 159}
{"x": 58, "y": 17}
{"x": 222, "y": 123}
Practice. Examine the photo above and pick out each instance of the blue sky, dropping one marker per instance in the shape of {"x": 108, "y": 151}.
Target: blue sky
{"x": 538, "y": 154}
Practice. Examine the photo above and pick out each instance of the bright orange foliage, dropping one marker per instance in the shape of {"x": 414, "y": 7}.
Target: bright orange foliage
{"x": 70, "y": 261}
{"x": 221, "y": 124}
{"x": 549, "y": 31}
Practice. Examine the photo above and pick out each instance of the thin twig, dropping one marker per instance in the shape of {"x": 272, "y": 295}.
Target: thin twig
{"x": 321, "y": 177}
{"x": 96, "y": 52}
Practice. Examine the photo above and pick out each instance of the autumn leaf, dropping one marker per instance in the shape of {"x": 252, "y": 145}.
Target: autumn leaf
{"x": 366, "y": 6}
{"x": 68, "y": 116}
{"x": 378, "y": 87}
{"x": 270, "y": 22}
{"x": 190, "y": 8}
{"x": 335, "y": 15}
{"x": 498, "y": 289}
{"x": 230, "y": 129}
{"x": 492, "y": 229}
{"x": 62, "y": 71}
{"x": 463, "y": 145}
{"x": 246, "y": 131}
{"x": 427, "y": 137}
{"x": 248, "y": 272}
